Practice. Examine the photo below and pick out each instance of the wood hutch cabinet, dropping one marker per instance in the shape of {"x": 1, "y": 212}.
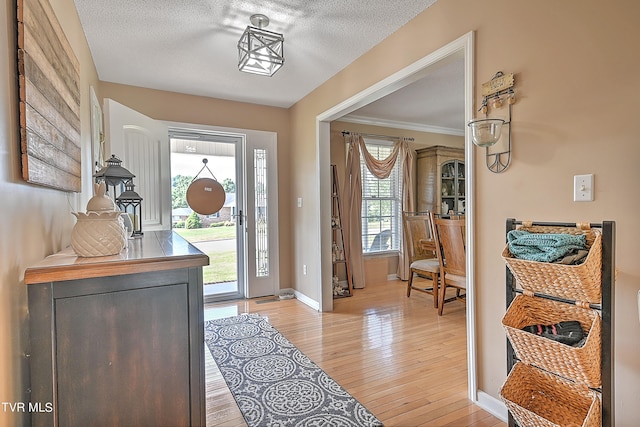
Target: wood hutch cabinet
{"x": 119, "y": 340}
{"x": 440, "y": 178}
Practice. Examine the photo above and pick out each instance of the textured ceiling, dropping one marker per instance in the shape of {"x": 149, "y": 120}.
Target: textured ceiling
{"x": 434, "y": 103}
{"x": 190, "y": 46}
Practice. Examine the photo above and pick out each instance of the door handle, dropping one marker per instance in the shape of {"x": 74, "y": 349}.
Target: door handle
{"x": 239, "y": 215}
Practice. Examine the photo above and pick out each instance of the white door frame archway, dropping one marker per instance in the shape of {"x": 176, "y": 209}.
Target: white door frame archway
{"x": 402, "y": 78}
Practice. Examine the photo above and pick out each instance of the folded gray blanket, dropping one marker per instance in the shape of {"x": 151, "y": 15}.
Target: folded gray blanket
{"x": 543, "y": 247}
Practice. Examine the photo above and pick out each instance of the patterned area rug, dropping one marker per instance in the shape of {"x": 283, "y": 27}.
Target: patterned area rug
{"x": 274, "y": 383}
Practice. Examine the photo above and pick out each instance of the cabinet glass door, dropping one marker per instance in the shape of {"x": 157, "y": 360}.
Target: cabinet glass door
{"x": 452, "y": 187}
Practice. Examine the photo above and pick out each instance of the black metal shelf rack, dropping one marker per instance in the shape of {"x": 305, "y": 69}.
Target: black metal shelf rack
{"x": 606, "y": 308}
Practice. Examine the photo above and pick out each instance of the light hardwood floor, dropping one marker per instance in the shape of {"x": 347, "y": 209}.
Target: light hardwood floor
{"x": 394, "y": 354}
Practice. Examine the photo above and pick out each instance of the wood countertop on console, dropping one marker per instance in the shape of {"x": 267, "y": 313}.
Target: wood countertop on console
{"x": 155, "y": 251}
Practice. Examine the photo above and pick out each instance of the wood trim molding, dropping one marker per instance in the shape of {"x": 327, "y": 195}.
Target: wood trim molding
{"x": 402, "y": 78}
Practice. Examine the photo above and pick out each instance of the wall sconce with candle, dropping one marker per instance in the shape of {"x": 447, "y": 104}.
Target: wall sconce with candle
{"x": 487, "y": 131}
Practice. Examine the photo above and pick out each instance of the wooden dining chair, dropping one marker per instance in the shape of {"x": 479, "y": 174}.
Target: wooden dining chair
{"x": 449, "y": 235}
{"x": 421, "y": 248}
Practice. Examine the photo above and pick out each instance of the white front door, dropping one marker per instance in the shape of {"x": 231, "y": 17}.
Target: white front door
{"x": 143, "y": 145}
{"x": 262, "y": 215}
{"x": 199, "y": 154}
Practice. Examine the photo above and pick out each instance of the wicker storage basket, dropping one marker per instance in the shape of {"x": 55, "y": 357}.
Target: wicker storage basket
{"x": 580, "y": 282}
{"x": 581, "y": 364}
{"x": 537, "y": 398}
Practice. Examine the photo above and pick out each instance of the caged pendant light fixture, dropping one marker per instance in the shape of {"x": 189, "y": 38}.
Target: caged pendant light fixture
{"x": 260, "y": 51}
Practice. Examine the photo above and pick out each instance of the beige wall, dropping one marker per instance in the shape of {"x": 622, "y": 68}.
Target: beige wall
{"x": 36, "y": 221}
{"x": 577, "y": 83}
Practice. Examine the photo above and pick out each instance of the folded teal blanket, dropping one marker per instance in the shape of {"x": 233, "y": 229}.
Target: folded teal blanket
{"x": 543, "y": 247}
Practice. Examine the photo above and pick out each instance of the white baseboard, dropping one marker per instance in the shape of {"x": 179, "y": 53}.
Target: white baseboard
{"x": 306, "y": 300}
{"x": 492, "y": 405}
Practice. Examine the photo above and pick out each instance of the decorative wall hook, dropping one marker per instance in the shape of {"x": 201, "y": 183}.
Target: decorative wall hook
{"x": 487, "y": 131}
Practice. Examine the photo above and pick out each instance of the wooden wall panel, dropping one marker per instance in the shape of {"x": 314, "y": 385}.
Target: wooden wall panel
{"x": 49, "y": 75}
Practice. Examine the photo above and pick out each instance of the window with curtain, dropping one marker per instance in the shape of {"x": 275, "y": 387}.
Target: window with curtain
{"x": 381, "y": 203}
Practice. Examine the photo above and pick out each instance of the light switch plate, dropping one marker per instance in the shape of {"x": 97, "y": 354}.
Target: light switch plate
{"x": 583, "y": 188}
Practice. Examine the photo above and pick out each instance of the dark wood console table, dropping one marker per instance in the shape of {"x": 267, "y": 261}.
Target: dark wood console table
{"x": 119, "y": 340}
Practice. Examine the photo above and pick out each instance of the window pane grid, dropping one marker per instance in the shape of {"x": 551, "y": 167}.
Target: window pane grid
{"x": 381, "y": 202}
{"x": 262, "y": 241}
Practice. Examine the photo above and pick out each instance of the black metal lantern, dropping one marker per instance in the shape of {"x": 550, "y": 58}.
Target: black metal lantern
{"x": 130, "y": 202}
{"x": 113, "y": 174}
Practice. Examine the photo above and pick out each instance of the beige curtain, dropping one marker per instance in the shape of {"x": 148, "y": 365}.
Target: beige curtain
{"x": 352, "y": 225}
{"x": 353, "y": 199}
{"x": 408, "y": 205}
